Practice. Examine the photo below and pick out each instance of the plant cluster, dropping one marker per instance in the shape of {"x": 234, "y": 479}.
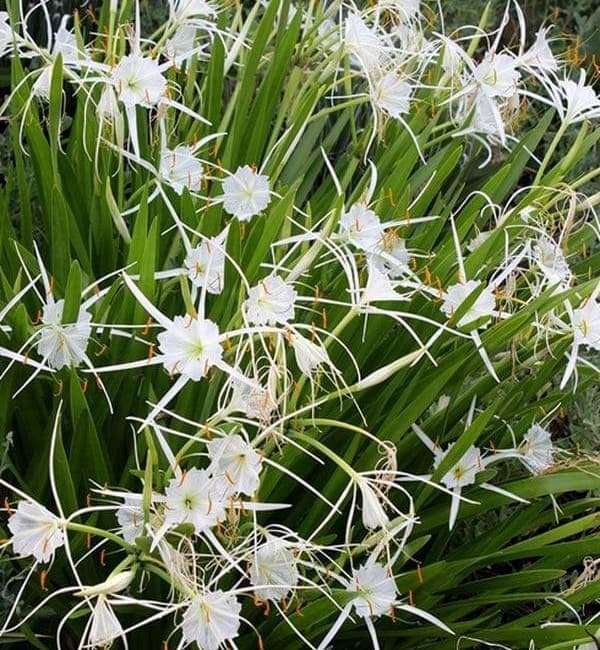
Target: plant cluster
{"x": 284, "y": 320}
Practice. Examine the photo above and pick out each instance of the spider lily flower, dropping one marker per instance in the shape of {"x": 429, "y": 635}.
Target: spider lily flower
{"x": 104, "y": 626}
{"x": 130, "y": 517}
{"x": 188, "y": 347}
{"x": 246, "y": 193}
{"x": 375, "y": 590}
{"x": 392, "y": 257}
{"x": 139, "y": 81}
{"x": 373, "y": 512}
{"x": 464, "y": 472}
{"x": 488, "y": 119}
{"x": 479, "y": 312}
{"x": 539, "y": 56}
{"x": 183, "y": 10}
{"x": 270, "y": 302}
{"x": 195, "y": 498}
{"x": 180, "y": 169}
{"x": 6, "y": 34}
{"x": 181, "y": 46}
{"x": 379, "y": 287}
{"x": 9, "y": 354}
{"x": 236, "y": 462}
{"x": 65, "y": 43}
{"x": 585, "y": 326}
{"x": 392, "y": 95}
{"x": 35, "y": 531}
{"x": 273, "y": 570}
{"x": 537, "y": 451}
{"x": 256, "y": 402}
{"x": 108, "y": 106}
{"x": 483, "y": 307}
{"x": 497, "y": 75}
{"x": 551, "y": 261}
{"x": 374, "y": 594}
{"x": 405, "y": 9}
{"x": 309, "y": 356}
{"x": 63, "y": 345}
{"x": 211, "y": 619}
{"x": 364, "y": 45}
{"x": 362, "y": 228}
{"x": 575, "y": 102}
{"x": 205, "y": 263}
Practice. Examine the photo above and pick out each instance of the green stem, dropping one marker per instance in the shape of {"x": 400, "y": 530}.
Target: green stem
{"x": 550, "y": 153}
{"x": 98, "y": 532}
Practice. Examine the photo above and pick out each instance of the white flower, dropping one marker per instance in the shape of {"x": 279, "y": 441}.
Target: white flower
{"x": 539, "y": 55}
{"x": 392, "y": 256}
{"x": 362, "y": 43}
{"x": 35, "y": 531}
{"x": 452, "y": 60}
{"x": 271, "y": 301}
{"x": 195, "y": 498}
{"x": 373, "y": 514}
{"x": 392, "y": 95}
{"x": 206, "y": 264}
{"x": 361, "y": 227}
{"x": 551, "y": 261}
{"x": 487, "y": 118}
{"x": 236, "y": 460}
{"x": 180, "y": 169}
{"x": 407, "y": 9}
{"x": 211, "y": 619}
{"x": 65, "y": 43}
{"x": 185, "y": 9}
{"x": 104, "y": 626}
{"x": 139, "y": 81}
{"x": 181, "y": 44}
{"x": 309, "y": 356}
{"x": 246, "y": 193}
{"x": 191, "y": 346}
{"x": 478, "y": 240}
{"x": 41, "y": 86}
{"x": 497, "y": 75}
{"x": 112, "y": 585}
{"x": 586, "y": 324}
{"x": 108, "y": 105}
{"x": 379, "y": 286}
{"x": 63, "y": 344}
{"x": 255, "y": 401}
{"x": 131, "y": 519}
{"x": 582, "y": 102}
{"x": 456, "y": 294}
{"x": 375, "y": 590}
{"x": 273, "y": 565}
{"x": 466, "y": 469}
{"x": 6, "y": 33}
{"x": 537, "y": 450}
